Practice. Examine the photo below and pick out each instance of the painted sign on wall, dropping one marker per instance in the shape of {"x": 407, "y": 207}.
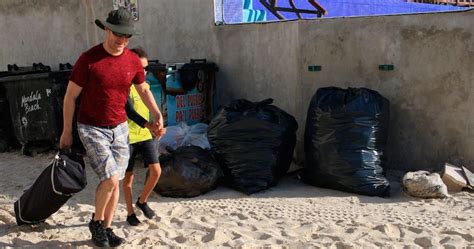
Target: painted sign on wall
{"x": 130, "y": 5}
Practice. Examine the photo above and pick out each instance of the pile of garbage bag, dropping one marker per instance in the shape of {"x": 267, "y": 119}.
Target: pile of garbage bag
{"x": 253, "y": 143}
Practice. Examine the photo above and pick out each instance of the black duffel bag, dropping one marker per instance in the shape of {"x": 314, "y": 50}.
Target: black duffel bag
{"x": 345, "y": 138}
{"x": 63, "y": 178}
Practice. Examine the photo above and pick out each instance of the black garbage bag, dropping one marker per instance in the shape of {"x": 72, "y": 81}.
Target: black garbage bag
{"x": 63, "y": 178}
{"x": 345, "y": 137}
{"x": 187, "y": 171}
{"x": 253, "y": 142}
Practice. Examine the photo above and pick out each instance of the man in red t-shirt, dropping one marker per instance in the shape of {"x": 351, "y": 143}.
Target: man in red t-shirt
{"x": 102, "y": 76}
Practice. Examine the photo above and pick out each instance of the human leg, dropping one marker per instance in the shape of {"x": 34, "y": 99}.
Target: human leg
{"x": 96, "y": 142}
{"x": 120, "y": 153}
{"x": 154, "y": 176}
{"x": 128, "y": 181}
{"x": 127, "y": 188}
{"x": 127, "y": 191}
{"x": 107, "y": 195}
{"x": 104, "y": 194}
{"x": 109, "y": 188}
{"x": 101, "y": 146}
{"x": 151, "y": 159}
{"x": 107, "y": 153}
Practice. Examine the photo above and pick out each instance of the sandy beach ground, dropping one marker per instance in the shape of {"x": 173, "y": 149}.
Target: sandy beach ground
{"x": 292, "y": 214}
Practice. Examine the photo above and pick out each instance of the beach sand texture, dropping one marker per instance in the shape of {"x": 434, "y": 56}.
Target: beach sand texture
{"x": 292, "y": 214}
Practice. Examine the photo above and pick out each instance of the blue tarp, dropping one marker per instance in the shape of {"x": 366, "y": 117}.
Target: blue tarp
{"x": 233, "y": 9}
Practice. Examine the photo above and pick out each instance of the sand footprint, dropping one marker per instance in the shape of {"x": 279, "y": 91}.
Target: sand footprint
{"x": 144, "y": 241}
{"x": 216, "y": 236}
{"x": 446, "y": 240}
{"x": 179, "y": 211}
{"x": 392, "y": 231}
{"x": 351, "y": 230}
{"x": 264, "y": 236}
{"x": 240, "y": 216}
{"x": 208, "y": 220}
{"x": 209, "y": 237}
{"x": 467, "y": 237}
{"x": 425, "y": 242}
{"x": 85, "y": 216}
{"x": 152, "y": 225}
{"x": 325, "y": 238}
{"x": 234, "y": 243}
{"x": 251, "y": 227}
{"x": 7, "y": 217}
{"x": 415, "y": 230}
{"x": 344, "y": 245}
{"x": 180, "y": 239}
{"x": 177, "y": 221}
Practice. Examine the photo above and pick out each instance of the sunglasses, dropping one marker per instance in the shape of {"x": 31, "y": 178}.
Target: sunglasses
{"x": 121, "y": 35}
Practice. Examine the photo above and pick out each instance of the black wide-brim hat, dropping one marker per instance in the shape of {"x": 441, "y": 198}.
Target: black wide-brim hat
{"x": 119, "y": 21}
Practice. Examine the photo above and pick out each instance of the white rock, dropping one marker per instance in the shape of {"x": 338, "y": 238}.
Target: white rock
{"x": 425, "y": 185}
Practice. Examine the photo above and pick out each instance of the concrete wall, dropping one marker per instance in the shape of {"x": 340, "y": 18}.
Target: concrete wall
{"x": 259, "y": 62}
{"x": 178, "y": 30}
{"x": 57, "y": 31}
{"x": 430, "y": 89}
{"x": 50, "y": 32}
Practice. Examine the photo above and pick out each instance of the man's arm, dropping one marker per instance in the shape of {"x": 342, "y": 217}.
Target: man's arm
{"x": 148, "y": 99}
{"x": 72, "y": 92}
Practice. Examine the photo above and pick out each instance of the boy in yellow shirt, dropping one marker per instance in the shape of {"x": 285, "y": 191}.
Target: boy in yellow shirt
{"x": 141, "y": 140}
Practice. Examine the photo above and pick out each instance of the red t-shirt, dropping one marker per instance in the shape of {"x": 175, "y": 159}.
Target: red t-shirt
{"x": 105, "y": 80}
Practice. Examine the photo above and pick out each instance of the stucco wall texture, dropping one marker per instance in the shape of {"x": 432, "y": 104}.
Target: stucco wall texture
{"x": 431, "y": 89}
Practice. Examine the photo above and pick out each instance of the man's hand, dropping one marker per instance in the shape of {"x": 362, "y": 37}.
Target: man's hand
{"x": 155, "y": 129}
{"x": 159, "y": 133}
{"x": 159, "y": 120}
{"x": 65, "y": 142}
{"x": 72, "y": 92}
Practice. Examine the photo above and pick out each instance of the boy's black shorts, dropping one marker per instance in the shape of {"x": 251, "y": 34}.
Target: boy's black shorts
{"x": 149, "y": 151}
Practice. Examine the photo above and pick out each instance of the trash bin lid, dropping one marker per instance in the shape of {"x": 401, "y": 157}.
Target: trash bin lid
{"x": 23, "y": 77}
{"x": 11, "y": 73}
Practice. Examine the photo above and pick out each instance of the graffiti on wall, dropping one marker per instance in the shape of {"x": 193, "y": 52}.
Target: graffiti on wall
{"x": 130, "y": 5}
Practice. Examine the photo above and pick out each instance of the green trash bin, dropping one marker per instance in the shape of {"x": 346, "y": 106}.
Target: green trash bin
{"x": 31, "y": 101}
{"x": 7, "y": 135}
{"x": 59, "y": 80}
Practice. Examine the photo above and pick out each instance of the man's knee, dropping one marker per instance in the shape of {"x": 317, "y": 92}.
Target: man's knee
{"x": 110, "y": 184}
